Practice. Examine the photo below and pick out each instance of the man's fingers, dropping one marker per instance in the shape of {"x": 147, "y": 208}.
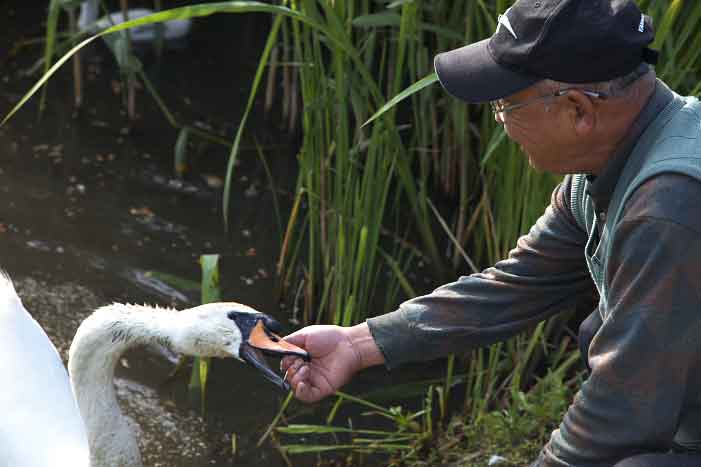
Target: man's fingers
{"x": 299, "y": 376}
{"x": 302, "y": 392}
{"x": 287, "y": 362}
{"x": 290, "y": 361}
{"x": 291, "y": 368}
{"x": 307, "y": 393}
{"x": 297, "y": 338}
{"x": 296, "y": 373}
{"x": 303, "y": 387}
{"x": 306, "y": 385}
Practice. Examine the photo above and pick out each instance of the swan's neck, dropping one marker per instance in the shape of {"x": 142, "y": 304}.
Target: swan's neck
{"x": 96, "y": 349}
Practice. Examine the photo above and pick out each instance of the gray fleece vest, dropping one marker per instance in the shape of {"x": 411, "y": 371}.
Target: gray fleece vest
{"x": 671, "y": 143}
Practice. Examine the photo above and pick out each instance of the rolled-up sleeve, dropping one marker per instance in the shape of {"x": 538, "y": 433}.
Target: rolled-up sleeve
{"x": 545, "y": 273}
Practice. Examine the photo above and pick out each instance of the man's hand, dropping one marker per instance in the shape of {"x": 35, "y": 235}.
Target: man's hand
{"x": 337, "y": 353}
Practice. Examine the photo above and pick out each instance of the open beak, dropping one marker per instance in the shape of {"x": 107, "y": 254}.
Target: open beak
{"x": 261, "y": 342}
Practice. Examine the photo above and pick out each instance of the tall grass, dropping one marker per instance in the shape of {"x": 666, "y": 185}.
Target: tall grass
{"x": 444, "y": 152}
{"x": 413, "y": 182}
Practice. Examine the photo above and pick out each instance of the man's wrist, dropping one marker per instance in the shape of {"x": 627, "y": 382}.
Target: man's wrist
{"x": 369, "y": 354}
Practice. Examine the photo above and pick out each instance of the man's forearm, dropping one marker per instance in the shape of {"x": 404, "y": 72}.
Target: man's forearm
{"x": 545, "y": 274}
{"x": 363, "y": 342}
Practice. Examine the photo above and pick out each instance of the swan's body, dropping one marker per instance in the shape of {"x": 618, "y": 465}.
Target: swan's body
{"x": 43, "y": 425}
{"x": 36, "y": 387}
{"x": 173, "y": 31}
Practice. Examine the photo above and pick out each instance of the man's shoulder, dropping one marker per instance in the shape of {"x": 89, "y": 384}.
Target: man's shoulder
{"x": 668, "y": 197}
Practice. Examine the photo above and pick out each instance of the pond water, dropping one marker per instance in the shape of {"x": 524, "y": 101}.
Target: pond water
{"x": 90, "y": 209}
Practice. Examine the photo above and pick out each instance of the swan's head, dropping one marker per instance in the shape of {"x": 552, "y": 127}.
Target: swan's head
{"x": 234, "y": 330}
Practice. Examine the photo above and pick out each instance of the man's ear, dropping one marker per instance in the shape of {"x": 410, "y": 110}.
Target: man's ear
{"x": 583, "y": 114}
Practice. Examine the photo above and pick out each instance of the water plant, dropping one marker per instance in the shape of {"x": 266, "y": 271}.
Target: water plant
{"x": 210, "y": 292}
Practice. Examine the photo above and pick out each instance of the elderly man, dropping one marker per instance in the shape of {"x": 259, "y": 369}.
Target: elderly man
{"x": 570, "y": 81}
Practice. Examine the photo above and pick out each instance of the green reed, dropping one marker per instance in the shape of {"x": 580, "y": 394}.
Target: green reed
{"x": 458, "y": 151}
{"x": 210, "y": 292}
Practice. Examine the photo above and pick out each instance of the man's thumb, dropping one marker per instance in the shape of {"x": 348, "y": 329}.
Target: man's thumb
{"x": 298, "y": 338}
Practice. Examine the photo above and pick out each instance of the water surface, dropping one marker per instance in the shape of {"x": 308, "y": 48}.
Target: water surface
{"x": 90, "y": 209}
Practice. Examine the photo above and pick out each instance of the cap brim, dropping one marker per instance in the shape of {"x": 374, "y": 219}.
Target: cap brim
{"x": 470, "y": 73}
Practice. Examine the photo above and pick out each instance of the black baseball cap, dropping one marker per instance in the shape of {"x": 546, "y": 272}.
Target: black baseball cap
{"x": 572, "y": 41}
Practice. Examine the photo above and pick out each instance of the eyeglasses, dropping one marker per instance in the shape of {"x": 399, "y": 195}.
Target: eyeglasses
{"x": 498, "y": 107}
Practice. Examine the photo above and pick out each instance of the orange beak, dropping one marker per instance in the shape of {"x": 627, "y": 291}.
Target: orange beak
{"x": 263, "y": 341}
{"x": 272, "y": 344}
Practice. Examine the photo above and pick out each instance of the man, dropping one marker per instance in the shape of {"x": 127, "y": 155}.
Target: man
{"x": 570, "y": 82}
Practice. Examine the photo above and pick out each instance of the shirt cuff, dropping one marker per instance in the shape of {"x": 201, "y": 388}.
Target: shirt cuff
{"x": 394, "y": 335}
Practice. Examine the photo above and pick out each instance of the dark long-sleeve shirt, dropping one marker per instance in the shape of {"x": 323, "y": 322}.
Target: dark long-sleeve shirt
{"x": 644, "y": 359}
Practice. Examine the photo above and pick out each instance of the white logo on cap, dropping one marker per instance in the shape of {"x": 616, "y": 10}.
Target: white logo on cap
{"x": 641, "y": 27}
{"x": 503, "y": 19}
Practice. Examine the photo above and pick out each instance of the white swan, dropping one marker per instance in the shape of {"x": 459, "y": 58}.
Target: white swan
{"x": 43, "y": 424}
{"x": 173, "y": 30}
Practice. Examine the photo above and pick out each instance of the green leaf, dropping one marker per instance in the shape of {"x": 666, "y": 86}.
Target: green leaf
{"x": 203, "y": 373}
{"x": 300, "y": 429}
{"x": 210, "y": 278}
{"x": 51, "y": 27}
{"x": 403, "y": 281}
{"x": 444, "y": 32}
{"x": 377, "y": 20}
{"x": 398, "y": 3}
{"x": 450, "y": 235}
{"x": 176, "y": 282}
{"x": 119, "y": 46}
{"x": 307, "y": 449}
{"x": 276, "y": 420}
{"x": 233, "y": 155}
{"x": 181, "y": 151}
{"x": 667, "y": 23}
{"x": 210, "y": 293}
{"x": 498, "y": 135}
{"x": 414, "y": 88}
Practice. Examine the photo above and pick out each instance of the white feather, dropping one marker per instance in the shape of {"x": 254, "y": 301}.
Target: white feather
{"x": 40, "y": 418}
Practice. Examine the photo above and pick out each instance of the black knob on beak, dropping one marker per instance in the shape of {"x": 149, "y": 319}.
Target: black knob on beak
{"x": 272, "y": 325}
